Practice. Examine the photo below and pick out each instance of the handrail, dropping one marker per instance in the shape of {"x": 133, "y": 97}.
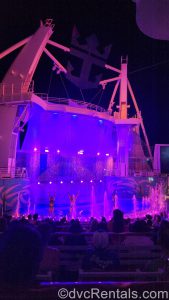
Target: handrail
{"x": 13, "y": 173}
{"x": 71, "y": 102}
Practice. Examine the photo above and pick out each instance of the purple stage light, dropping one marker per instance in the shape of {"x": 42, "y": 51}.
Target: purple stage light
{"x": 71, "y": 181}
{"x": 38, "y": 182}
{"x": 98, "y": 153}
{"x": 35, "y": 149}
{"x": 50, "y": 182}
{"x": 107, "y": 154}
{"x": 61, "y": 182}
{"x": 47, "y": 150}
{"x": 81, "y": 181}
{"x": 58, "y": 151}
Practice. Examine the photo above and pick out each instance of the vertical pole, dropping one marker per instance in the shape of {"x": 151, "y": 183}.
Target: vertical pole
{"x": 123, "y": 90}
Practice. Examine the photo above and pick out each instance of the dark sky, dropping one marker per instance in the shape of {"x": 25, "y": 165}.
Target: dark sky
{"x": 113, "y": 21}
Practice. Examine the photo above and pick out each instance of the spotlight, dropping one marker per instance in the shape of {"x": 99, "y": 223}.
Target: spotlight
{"x": 58, "y": 151}
{"x": 80, "y": 152}
{"x": 81, "y": 181}
{"x": 74, "y": 116}
{"x": 35, "y": 149}
{"x": 46, "y": 150}
{"x": 91, "y": 180}
{"x": 50, "y": 182}
{"x": 61, "y": 182}
{"x": 38, "y": 182}
{"x": 71, "y": 181}
{"x": 98, "y": 153}
{"x": 101, "y": 180}
{"x": 107, "y": 154}
{"x": 101, "y": 121}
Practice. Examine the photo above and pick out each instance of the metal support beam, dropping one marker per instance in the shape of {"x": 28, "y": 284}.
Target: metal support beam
{"x": 14, "y": 47}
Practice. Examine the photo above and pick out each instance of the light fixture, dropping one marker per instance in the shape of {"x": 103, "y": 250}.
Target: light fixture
{"x": 80, "y": 152}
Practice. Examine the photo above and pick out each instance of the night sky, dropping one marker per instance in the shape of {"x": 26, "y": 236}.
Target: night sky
{"x": 113, "y": 21}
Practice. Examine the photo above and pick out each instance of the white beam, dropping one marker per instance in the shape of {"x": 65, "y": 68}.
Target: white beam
{"x": 112, "y": 68}
{"x": 66, "y": 49}
{"x": 14, "y": 47}
{"x": 141, "y": 120}
{"x": 113, "y": 96}
{"x": 104, "y": 82}
{"x": 56, "y": 62}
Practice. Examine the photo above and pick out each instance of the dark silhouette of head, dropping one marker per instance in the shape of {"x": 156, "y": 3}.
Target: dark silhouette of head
{"x": 118, "y": 221}
{"x": 21, "y": 253}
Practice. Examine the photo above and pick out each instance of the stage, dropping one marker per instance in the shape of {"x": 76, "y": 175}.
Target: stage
{"x": 95, "y": 199}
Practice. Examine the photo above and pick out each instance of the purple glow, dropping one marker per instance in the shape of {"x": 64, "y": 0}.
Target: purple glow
{"x": 107, "y": 154}
{"x": 47, "y": 150}
{"x": 91, "y": 180}
{"x": 61, "y": 182}
{"x": 58, "y": 151}
{"x": 81, "y": 181}
{"x": 106, "y": 205}
{"x": 98, "y": 153}
{"x": 71, "y": 181}
{"x": 38, "y": 182}
{"x": 35, "y": 149}
{"x": 101, "y": 180}
{"x": 50, "y": 182}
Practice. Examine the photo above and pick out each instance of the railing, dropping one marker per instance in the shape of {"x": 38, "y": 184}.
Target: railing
{"x": 16, "y": 93}
{"x": 71, "y": 102}
{"x": 13, "y": 173}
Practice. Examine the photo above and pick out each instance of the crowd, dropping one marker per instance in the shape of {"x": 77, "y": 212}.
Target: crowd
{"x": 23, "y": 241}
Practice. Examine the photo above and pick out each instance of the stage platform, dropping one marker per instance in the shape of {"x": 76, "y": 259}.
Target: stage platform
{"x": 23, "y": 196}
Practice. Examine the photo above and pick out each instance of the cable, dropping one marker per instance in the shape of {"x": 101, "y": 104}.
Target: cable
{"x": 82, "y": 94}
{"x": 97, "y": 93}
{"x": 67, "y": 94}
{"x": 50, "y": 81}
{"x": 149, "y": 67}
{"x": 100, "y": 97}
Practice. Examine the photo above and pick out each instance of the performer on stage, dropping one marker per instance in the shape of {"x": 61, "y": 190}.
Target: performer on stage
{"x": 51, "y": 205}
{"x": 73, "y": 199}
{"x": 115, "y": 201}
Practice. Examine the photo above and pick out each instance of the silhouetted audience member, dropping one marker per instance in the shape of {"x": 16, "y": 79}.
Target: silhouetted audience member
{"x": 35, "y": 219}
{"x": 100, "y": 258}
{"x": 76, "y": 237}
{"x": 3, "y": 224}
{"x": 20, "y": 254}
{"x": 101, "y": 236}
{"x": 163, "y": 235}
{"x": 93, "y": 224}
{"x": 118, "y": 221}
{"x": 139, "y": 226}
